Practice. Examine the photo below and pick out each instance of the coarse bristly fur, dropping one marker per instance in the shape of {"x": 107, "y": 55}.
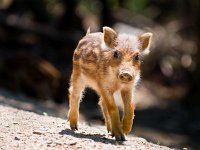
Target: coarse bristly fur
{"x": 109, "y": 63}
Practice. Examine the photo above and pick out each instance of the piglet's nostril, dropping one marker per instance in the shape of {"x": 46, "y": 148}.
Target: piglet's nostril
{"x": 121, "y": 77}
{"x": 125, "y": 77}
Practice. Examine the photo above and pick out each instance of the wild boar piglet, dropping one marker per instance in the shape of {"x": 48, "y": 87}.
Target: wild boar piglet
{"x": 109, "y": 63}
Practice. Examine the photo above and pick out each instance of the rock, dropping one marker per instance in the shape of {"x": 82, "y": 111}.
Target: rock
{"x": 16, "y": 138}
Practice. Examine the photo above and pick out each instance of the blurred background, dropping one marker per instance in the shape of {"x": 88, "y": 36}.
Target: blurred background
{"x": 38, "y": 37}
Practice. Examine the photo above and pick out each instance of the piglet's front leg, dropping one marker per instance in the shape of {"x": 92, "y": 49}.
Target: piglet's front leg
{"x": 129, "y": 107}
{"x": 113, "y": 112}
{"x": 105, "y": 114}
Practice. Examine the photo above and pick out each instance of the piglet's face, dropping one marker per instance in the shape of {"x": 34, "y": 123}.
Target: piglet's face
{"x": 126, "y": 52}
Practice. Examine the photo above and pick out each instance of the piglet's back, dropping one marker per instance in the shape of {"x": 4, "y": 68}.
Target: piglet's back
{"x": 87, "y": 53}
{"x": 88, "y": 47}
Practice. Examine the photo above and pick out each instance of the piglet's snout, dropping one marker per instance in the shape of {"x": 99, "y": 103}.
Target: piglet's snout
{"x": 125, "y": 75}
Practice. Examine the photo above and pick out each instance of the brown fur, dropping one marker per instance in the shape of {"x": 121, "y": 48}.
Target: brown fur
{"x": 108, "y": 62}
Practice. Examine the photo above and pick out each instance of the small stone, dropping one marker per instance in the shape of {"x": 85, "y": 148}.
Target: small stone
{"x": 73, "y": 143}
{"x": 15, "y": 123}
{"x": 38, "y": 132}
{"x": 16, "y": 138}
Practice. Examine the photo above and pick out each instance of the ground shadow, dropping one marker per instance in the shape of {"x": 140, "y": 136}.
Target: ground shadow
{"x": 95, "y": 137}
{"x": 171, "y": 120}
{"x": 20, "y": 101}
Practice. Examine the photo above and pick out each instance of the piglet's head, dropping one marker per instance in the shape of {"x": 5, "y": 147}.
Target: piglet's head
{"x": 125, "y": 53}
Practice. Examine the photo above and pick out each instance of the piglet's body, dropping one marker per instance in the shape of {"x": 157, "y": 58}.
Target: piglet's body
{"x": 108, "y": 62}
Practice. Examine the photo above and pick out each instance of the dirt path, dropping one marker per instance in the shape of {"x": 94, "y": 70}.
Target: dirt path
{"x": 26, "y": 130}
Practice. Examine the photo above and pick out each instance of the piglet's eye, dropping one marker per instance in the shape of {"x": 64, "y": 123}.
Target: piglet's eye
{"x": 136, "y": 58}
{"x": 116, "y": 54}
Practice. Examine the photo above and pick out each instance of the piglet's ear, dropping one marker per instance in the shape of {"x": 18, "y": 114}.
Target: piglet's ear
{"x": 145, "y": 42}
{"x": 109, "y": 36}
{"x": 88, "y": 31}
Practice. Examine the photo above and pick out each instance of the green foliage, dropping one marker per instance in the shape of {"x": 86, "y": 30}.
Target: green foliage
{"x": 90, "y": 6}
{"x": 113, "y": 4}
{"x": 135, "y": 5}
{"x": 45, "y": 114}
{"x": 95, "y": 7}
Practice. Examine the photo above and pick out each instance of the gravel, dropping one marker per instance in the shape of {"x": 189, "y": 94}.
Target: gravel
{"x": 27, "y": 130}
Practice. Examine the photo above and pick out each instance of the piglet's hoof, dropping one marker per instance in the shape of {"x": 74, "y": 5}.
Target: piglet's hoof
{"x": 73, "y": 127}
{"x": 120, "y": 138}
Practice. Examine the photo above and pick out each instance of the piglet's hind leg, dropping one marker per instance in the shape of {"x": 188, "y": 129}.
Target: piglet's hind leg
{"x": 75, "y": 92}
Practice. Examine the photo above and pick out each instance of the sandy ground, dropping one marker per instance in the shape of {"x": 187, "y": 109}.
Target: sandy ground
{"x": 27, "y": 130}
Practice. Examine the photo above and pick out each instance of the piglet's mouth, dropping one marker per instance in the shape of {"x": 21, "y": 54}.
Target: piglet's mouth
{"x": 125, "y": 82}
